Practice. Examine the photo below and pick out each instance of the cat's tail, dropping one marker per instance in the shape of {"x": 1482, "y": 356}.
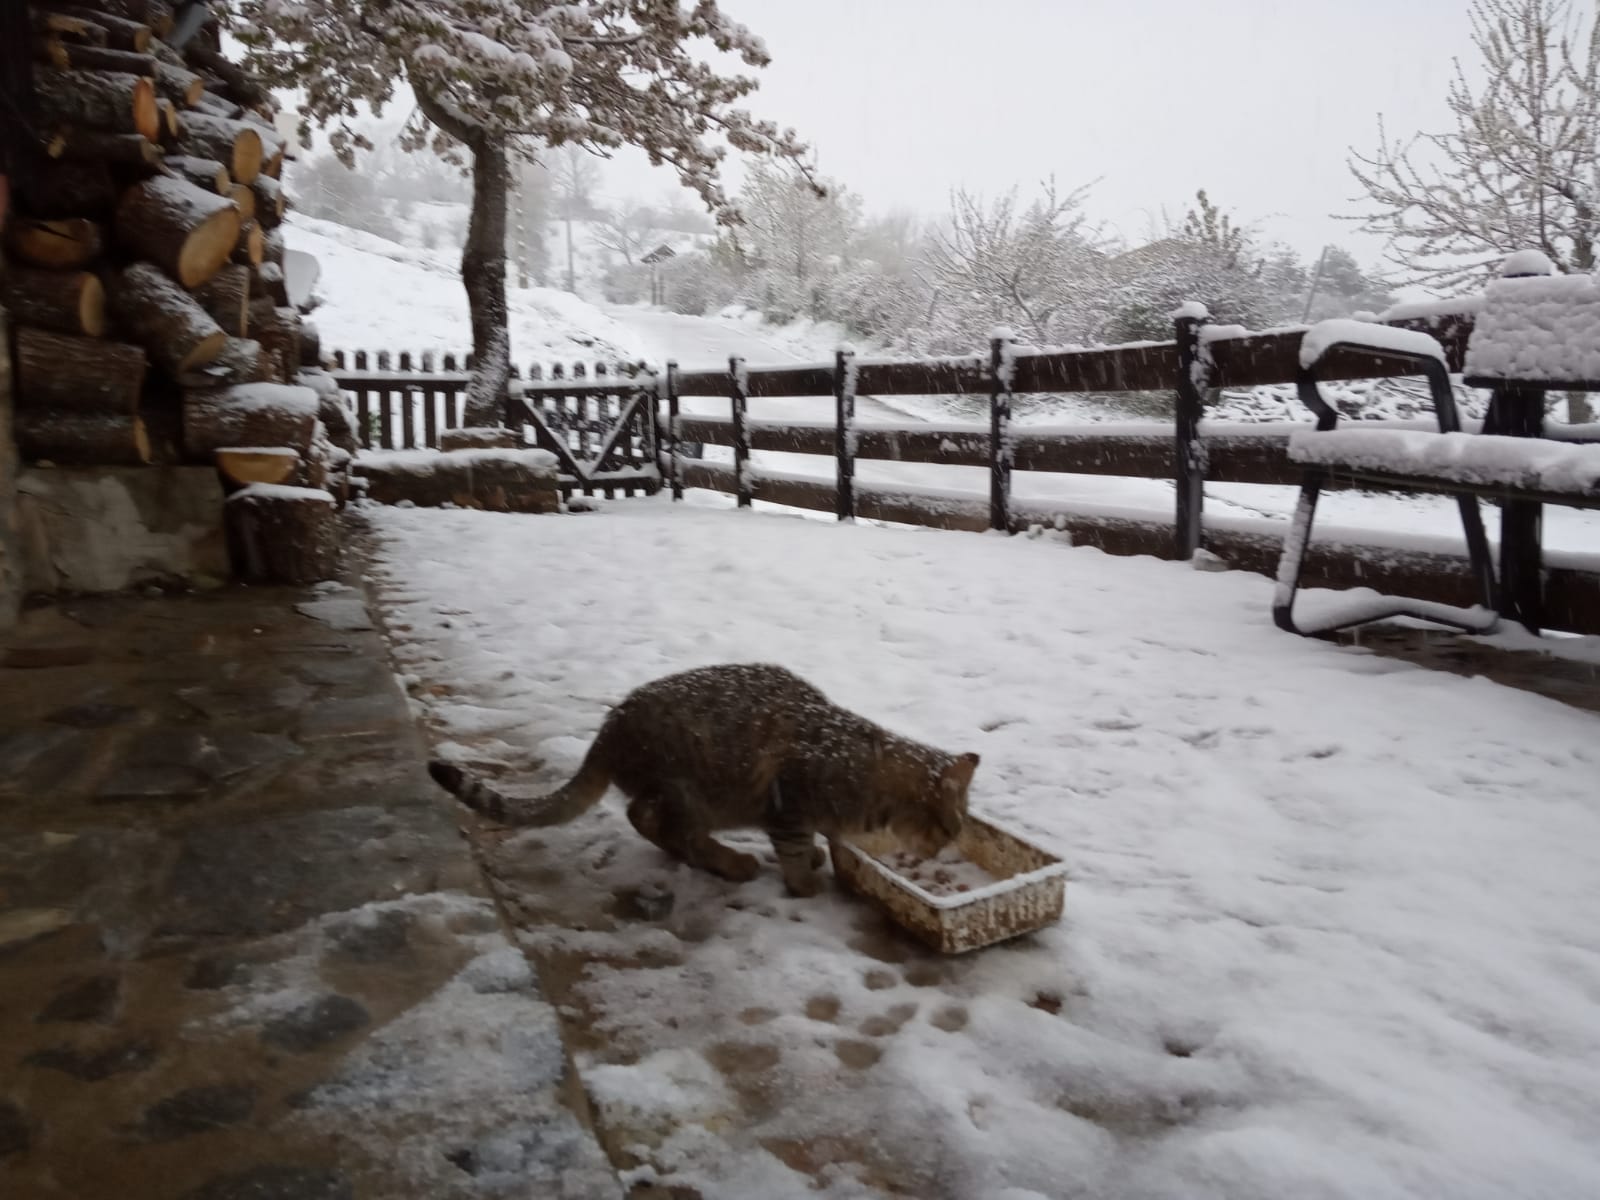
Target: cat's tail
{"x": 579, "y": 793}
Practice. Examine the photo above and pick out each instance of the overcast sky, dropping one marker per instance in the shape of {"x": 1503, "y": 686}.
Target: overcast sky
{"x": 1255, "y": 100}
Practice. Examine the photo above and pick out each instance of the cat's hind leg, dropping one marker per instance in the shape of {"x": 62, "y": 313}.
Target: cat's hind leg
{"x": 671, "y": 818}
{"x": 799, "y": 856}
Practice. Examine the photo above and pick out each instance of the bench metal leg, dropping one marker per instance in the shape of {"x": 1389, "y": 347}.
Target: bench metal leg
{"x": 1291, "y": 565}
{"x": 1518, "y": 412}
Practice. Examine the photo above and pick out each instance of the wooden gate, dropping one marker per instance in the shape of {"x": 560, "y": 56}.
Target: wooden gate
{"x": 599, "y": 420}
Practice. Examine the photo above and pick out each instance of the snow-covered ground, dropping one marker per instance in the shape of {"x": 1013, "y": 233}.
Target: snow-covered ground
{"x": 1331, "y": 921}
{"x": 381, "y": 295}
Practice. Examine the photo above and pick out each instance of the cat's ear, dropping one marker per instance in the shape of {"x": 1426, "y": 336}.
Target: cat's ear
{"x": 958, "y": 774}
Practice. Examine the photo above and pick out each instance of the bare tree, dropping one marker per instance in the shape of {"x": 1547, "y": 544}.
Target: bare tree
{"x": 496, "y": 79}
{"x": 1035, "y": 267}
{"x": 575, "y": 174}
{"x": 1520, "y": 169}
{"x": 629, "y": 230}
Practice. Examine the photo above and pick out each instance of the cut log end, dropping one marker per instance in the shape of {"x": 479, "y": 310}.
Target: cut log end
{"x": 71, "y": 302}
{"x": 56, "y": 245}
{"x": 247, "y": 465}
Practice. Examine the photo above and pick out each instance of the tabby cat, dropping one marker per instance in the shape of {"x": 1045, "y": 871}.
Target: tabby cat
{"x": 748, "y": 745}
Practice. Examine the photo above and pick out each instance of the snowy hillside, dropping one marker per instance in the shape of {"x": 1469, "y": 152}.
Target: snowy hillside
{"x": 378, "y": 294}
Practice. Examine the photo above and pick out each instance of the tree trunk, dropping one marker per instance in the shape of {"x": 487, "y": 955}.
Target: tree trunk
{"x": 1578, "y": 412}
{"x": 58, "y": 374}
{"x": 177, "y": 333}
{"x": 483, "y": 262}
{"x": 483, "y": 271}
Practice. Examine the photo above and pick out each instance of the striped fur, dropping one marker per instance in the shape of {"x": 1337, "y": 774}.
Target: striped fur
{"x": 562, "y": 805}
{"x": 741, "y": 746}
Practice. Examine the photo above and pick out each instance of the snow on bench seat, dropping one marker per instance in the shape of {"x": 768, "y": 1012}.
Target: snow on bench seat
{"x": 1473, "y": 459}
{"x": 1538, "y": 330}
{"x": 1324, "y": 335}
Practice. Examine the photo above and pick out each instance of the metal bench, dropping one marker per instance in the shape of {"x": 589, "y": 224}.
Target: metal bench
{"x": 1349, "y": 456}
{"x": 1534, "y": 334}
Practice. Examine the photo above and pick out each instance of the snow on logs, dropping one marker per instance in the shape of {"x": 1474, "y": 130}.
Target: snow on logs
{"x": 279, "y": 534}
{"x": 269, "y": 201}
{"x": 177, "y": 333}
{"x": 82, "y": 439}
{"x": 129, "y": 150}
{"x": 251, "y": 414}
{"x": 121, "y": 33}
{"x": 237, "y": 145}
{"x": 72, "y": 302}
{"x": 226, "y": 296}
{"x": 76, "y": 375}
{"x": 113, "y": 101}
{"x": 189, "y": 232}
{"x": 205, "y": 173}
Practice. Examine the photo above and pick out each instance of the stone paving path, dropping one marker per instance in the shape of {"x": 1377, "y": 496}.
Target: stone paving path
{"x": 244, "y": 952}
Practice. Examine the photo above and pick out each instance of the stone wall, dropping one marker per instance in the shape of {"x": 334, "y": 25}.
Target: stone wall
{"x": 10, "y": 560}
{"x": 101, "y": 529}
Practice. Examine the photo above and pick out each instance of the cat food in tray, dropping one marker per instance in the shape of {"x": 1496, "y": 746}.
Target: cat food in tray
{"x": 989, "y": 885}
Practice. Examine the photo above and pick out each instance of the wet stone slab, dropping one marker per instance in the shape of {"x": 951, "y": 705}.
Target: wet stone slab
{"x": 234, "y": 909}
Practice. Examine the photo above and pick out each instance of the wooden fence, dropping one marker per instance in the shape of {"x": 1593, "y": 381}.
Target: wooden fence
{"x": 588, "y": 414}
{"x": 1199, "y": 359}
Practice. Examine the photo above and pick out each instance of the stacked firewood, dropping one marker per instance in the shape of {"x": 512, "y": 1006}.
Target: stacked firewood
{"x": 144, "y": 265}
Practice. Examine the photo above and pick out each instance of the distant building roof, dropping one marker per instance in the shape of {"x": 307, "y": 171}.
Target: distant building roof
{"x": 660, "y": 254}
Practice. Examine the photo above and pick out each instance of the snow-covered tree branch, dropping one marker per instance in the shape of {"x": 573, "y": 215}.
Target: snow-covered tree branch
{"x": 1521, "y": 168}
{"x": 503, "y": 77}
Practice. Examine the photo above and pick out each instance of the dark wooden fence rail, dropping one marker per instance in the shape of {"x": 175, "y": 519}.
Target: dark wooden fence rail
{"x": 577, "y": 413}
{"x": 1196, "y": 361}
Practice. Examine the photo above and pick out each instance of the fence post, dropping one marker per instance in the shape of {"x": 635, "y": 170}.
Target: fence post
{"x": 1000, "y": 447}
{"x": 674, "y": 432}
{"x": 738, "y": 383}
{"x": 844, "y": 443}
{"x": 1189, "y": 467}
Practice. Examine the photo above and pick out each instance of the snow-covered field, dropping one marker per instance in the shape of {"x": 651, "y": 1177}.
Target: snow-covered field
{"x": 382, "y": 295}
{"x": 1331, "y": 921}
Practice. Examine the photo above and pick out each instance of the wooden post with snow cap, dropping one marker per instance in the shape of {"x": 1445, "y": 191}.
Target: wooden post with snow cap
{"x": 844, "y": 443}
{"x": 1518, "y": 411}
{"x": 1189, "y": 452}
{"x": 1001, "y": 448}
{"x": 674, "y": 467}
{"x": 738, "y": 393}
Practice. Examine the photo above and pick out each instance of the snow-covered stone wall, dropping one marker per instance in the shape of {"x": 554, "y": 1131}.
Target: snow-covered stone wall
{"x": 102, "y": 529}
